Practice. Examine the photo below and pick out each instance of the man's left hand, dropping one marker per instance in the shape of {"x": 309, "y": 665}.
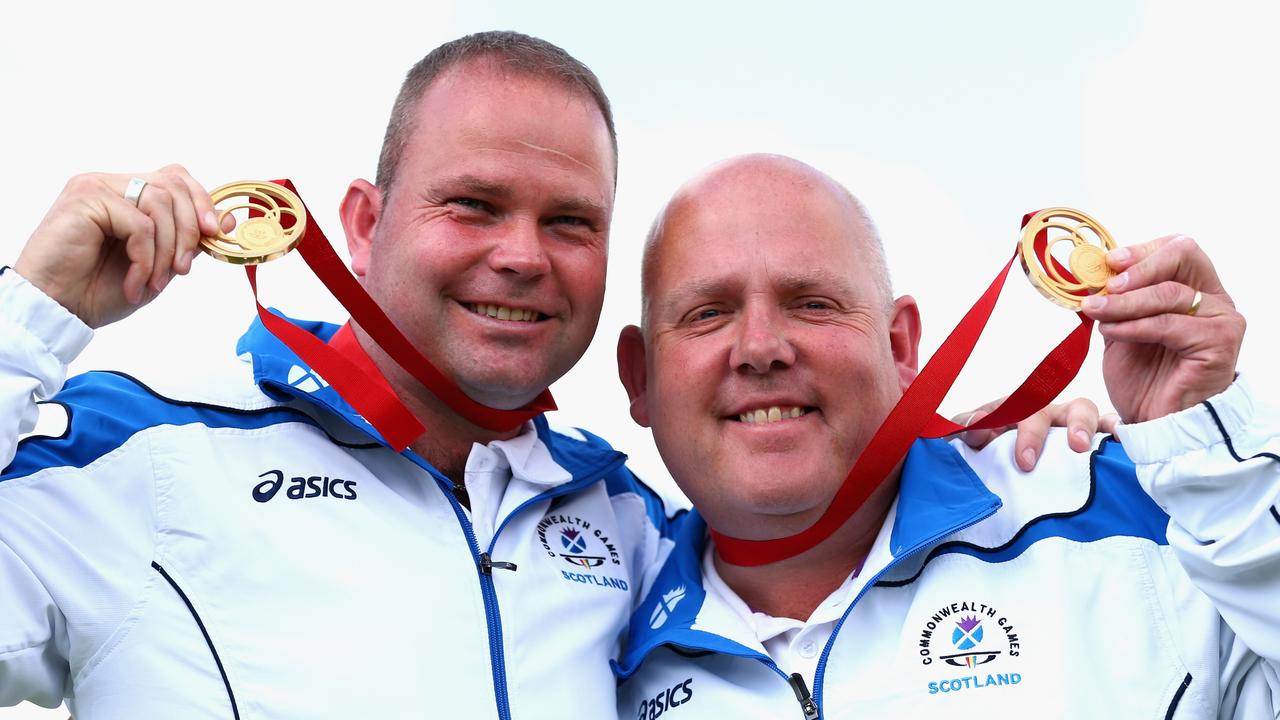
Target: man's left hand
{"x": 1160, "y": 357}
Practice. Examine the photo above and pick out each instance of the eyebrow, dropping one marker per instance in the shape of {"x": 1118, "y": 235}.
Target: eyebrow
{"x": 503, "y": 191}
{"x": 789, "y": 284}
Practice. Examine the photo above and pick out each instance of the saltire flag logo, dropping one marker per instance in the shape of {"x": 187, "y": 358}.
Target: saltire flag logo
{"x": 575, "y": 542}
{"x": 966, "y": 636}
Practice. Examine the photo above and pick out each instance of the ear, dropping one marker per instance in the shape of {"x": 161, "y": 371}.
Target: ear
{"x": 904, "y": 339}
{"x": 360, "y": 210}
{"x": 633, "y": 372}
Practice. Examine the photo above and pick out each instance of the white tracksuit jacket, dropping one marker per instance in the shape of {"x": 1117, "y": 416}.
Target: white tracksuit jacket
{"x": 252, "y": 550}
{"x": 990, "y": 593}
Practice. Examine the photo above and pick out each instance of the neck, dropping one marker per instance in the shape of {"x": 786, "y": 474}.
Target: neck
{"x": 795, "y": 587}
{"x": 449, "y": 437}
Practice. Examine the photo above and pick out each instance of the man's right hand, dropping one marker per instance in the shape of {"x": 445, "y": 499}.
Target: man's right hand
{"x": 101, "y": 257}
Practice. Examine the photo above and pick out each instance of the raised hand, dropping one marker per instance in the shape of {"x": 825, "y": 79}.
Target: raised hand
{"x": 1172, "y": 333}
{"x": 101, "y": 256}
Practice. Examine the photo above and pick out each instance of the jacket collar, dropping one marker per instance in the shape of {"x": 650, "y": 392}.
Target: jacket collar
{"x": 938, "y": 495}
{"x": 283, "y": 376}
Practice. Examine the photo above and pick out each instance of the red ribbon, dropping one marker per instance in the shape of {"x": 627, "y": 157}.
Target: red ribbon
{"x": 915, "y": 416}
{"x": 375, "y": 401}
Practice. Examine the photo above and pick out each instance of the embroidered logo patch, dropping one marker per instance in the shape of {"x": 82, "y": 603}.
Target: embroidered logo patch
{"x": 969, "y": 635}
{"x": 583, "y": 545}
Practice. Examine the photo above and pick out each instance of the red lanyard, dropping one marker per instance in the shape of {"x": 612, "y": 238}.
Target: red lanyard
{"x": 915, "y": 416}
{"x": 374, "y": 400}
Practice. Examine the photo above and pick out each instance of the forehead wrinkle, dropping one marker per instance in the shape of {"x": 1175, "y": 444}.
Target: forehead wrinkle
{"x": 560, "y": 154}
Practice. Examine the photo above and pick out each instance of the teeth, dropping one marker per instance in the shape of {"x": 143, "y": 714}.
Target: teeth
{"x": 502, "y": 312}
{"x": 771, "y": 415}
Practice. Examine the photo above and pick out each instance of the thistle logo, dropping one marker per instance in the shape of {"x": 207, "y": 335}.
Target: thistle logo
{"x": 572, "y": 539}
{"x": 307, "y": 381}
{"x": 968, "y": 623}
{"x": 583, "y": 544}
{"x": 666, "y": 605}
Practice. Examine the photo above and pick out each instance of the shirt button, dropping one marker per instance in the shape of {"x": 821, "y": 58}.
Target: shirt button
{"x": 808, "y": 649}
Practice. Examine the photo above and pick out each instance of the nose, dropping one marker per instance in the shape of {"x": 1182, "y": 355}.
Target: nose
{"x": 761, "y": 344}
{"x": 519, "y": 251}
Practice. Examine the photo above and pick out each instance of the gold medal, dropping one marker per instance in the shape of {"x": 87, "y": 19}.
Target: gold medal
{"x": 261, "y": 238}
{"x": 1087, "y": 261}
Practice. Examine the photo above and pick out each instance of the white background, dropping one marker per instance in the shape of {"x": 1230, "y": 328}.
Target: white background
{"x": 949, "y": 120}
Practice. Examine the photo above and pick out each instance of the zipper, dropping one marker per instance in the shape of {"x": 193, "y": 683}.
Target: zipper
{"x": 807, "y": 704}
{"x": 818, "y": 675}
{"x": 487, "y": 564}
{"x": 484, "y": 569}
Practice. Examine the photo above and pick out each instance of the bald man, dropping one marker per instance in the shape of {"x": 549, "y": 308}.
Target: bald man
{"x": 1139, "y": 580}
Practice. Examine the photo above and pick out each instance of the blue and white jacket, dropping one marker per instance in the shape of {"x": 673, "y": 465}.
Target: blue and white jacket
{"x": 251, "y": 549}
{"x": 990, "y": 593}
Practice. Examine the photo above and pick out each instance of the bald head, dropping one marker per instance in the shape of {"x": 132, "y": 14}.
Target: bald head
{"x": 760, "y": 183}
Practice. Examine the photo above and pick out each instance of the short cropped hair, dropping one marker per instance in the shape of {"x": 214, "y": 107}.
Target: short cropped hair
{"x": 509, "y": 51}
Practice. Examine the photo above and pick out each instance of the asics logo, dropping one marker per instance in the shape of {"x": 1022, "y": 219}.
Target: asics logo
{"x": 303, "y": 487}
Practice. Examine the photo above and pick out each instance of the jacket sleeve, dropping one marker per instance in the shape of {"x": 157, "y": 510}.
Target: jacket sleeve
{"x": 38, "y": 338}
{"x": 1215, "y": 469}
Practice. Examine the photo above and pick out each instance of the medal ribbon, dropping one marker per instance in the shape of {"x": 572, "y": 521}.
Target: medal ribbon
{"x": 915, "y": 416}
{"x": 378, "y": 405}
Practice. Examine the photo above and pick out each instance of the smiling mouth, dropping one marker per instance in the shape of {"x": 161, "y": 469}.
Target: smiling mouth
{"x": 773, "y": 414}
{"x": 502, "y": 312}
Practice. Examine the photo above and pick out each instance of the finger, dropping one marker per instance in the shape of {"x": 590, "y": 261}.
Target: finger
{"x": 1107, "y": 423}
{"x": 157, "y": 202}
{"x": 137, "y": 231}
{"x": 1122, "y": 258}
{"x": 1165, "y": 297}
{"x": 1081, "y": 420}
{"x": 976, "y": 439}
{"x": 1176, "y": 331}
{"x": 1030, "y": 440}
{"x": 186, "y": 222}
{"x": 202, "y": 210}
{"x": 1176, "y": 257}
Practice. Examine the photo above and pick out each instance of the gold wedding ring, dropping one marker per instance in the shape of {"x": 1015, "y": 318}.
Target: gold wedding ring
{"x": 1086, "y": 263}
{"x": 1195, "y": 304}
{"x": 263, "y": 237}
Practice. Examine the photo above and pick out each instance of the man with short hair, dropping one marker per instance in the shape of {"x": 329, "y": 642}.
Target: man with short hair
{"x": 1136, "y": 581}
{"x": 248, "y": 546}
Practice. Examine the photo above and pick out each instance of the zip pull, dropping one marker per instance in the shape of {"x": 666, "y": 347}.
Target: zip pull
{"x": 807, "y": 704}
{"x": 487, "y": 565}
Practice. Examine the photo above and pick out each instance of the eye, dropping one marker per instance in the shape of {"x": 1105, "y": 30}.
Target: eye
{"x": 816, "y": 305}
{"x": 570, "y": 220}
{"x": 706, "y": 314}
{"x": 469, "y": 203}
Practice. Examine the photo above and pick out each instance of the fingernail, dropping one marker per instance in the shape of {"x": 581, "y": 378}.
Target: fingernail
{"x": 1118, "y": 282}
{"x": 211, "y": 222}
{"x": 1028, "y": 459}
{"x": 164, "y": 283}
{"x": 1120, "y": 254}
{"x": 1082, "y": 436}
{"x": 190, "y": 258}
{"x": 1094, "y": 302}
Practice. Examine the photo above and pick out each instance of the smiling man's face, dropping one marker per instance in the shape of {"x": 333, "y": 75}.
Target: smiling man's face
{"x": 771, "y": 353}
{"x": 490, "y": 249}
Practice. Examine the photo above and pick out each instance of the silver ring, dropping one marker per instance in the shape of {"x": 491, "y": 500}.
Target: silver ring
{"x": 133, "y": 192}
{"x": 1195, "y": 304}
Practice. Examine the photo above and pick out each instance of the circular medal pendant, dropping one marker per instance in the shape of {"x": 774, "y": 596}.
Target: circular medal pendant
{"x": 276, "y": 226}
{"x": 1086, "y": 271}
